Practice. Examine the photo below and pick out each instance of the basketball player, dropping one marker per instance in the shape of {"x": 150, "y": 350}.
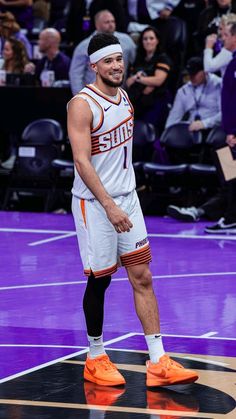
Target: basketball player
{"x": 108, "y": 218}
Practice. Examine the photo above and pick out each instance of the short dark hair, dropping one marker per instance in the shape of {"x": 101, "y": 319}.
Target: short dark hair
{"x": 101, "y": 40}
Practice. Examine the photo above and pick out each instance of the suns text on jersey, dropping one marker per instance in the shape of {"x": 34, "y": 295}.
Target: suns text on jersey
{"x": 117, "y": 136}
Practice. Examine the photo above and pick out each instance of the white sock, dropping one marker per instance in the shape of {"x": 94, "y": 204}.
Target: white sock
{"x": 155, "y": 347}
{"x": 96, "y": 347}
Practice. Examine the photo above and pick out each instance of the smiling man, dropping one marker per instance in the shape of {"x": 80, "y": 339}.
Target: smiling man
{"x": 107, "y": 214}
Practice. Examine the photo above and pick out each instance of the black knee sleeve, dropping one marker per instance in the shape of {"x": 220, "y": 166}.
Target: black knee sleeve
{"x": 93, "y": 303}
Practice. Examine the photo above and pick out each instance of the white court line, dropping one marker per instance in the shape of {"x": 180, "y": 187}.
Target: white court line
{"x": 193, "y": 337}
{"x": 118, "y": 339}
{"x": 24, "y": 345}
{"x": 34, "y": 231}
{"x": 206, "y": 361}
{"x": 194, "y": 236}
{"x": 209, "y": 334}
{"x": 47, "y": 364}
{"x": 59, "y": 284}
{"x": 128, "y": 335}
{"x": 52, "y": 239}
{"x": 175, "y": 236}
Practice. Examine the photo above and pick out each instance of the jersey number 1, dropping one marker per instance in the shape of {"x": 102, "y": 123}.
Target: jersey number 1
{"x": 125, "y": 158}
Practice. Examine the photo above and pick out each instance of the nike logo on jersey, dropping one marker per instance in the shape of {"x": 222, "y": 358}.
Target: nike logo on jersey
{"x": 106, "y": 109}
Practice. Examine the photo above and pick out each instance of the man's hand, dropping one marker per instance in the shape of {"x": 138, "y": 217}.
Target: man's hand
{"x": 196, "y": 126}
{"x": 231, "y": 140}
{"x": 211, "y": 40}
{"x": 118, "y": 218}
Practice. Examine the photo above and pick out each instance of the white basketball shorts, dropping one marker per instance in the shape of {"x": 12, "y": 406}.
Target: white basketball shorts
{"x": 102, "y": 249}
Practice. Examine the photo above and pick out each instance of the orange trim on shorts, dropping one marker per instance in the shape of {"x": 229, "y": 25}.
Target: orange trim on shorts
{"x": 137, "y": 257}
{"x": 103, "y": 272}
{"x": 82, "y": 207}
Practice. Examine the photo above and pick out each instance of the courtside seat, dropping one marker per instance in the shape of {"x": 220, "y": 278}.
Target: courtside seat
{"x": 41, "y": 142}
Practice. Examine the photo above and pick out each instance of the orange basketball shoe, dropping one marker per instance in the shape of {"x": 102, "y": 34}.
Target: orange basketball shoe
{"x": 171, "y": 400}
{"x": 101, "y": 370}
{"x": 101, "y": 395}
{"x": 167, "y": 372}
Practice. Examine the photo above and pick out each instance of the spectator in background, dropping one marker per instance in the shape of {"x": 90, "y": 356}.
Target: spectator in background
{"x": 10, "y": 28}
{"x": 187, "y": 10}
{"x": 209, "y": 19}
{"x": 21, "y": 9}
{"x": 53, "y": 59}
{"x": 146, "y": 12}
{"x": 198, "y": 101}
{"x": 80, "y": 70}
{"x": 41, "y": 9}
{"x": 81, "y": 17}
{"x": 216, "y": 56}
{"x": 224, "y": 204}
{"x": 15, "y": 56}
{"x": 148, "y": 82}
{"x": 15, "y": 61}
{"x": 227, "y": 224}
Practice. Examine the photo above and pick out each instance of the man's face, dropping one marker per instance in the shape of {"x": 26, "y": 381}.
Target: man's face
{"x": 229, "y": 40}
{"x": 197, "y": 78}
{"x": 224, "y": 3}
{"x": 111, "y": 70}
{"x": 106, "y": 23}
{"x": 44, "y": 42}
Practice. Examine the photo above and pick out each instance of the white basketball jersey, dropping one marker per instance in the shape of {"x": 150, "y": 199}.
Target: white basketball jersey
{"x": 112, "y": 137}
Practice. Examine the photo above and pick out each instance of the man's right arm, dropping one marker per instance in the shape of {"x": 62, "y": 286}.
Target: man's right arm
{"x": 79, "y": 131}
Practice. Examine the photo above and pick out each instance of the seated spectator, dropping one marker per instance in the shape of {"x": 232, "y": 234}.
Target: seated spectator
{"x": 15, "y": 56}
{"x": 21, "y": 9}
{"x": 10, "y": 28}
{"x": 209, "y": 19}
{"x": 53, "y": 59}
{"x": 225, "y": 204}
{"x": 80, "y": 70}
{"x": 187, "y": 10}
{"x": 142, "y": 12}
{"x": 80, "y": 22}
{"x": 15, "y": 62}
{"x": 197, "y": 101}
{"x": 148, "y": 82}
{"x": 216, "y": 56}
{"x": 213, "y": 209}
{"x": 41, "y": 9}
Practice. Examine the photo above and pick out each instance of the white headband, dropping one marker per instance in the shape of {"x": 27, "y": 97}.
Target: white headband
{"x": 103, "y": 52}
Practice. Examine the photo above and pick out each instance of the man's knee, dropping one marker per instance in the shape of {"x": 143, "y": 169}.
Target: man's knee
{"x": 141, "y": 277}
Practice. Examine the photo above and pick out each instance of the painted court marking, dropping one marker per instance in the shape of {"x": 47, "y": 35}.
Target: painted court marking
{"x": 47, "y": 364}
{"x": 106, "y": 343}
{"x": 65, "y": 234}
{"x": 59, "y": 284}
{"x": 128, "y": 335}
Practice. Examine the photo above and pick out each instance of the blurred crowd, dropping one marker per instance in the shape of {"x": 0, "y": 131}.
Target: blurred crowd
{"x": 175, "y": 52}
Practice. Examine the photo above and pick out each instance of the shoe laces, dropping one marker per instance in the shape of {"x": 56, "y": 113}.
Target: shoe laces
{"x": 106, "y": 364}
{"x": 170, "y": 363}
